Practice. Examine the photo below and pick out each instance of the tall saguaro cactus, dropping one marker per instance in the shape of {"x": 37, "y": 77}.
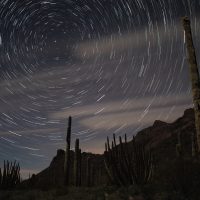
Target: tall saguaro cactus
{"x": 80, "y": 167}
{"x": 67, "y": 153}
{"x": 77, "y": 165}
{"x": 179, "y": 150}
{"x": 194, "y": 75}
{"x": 0, "y": 177}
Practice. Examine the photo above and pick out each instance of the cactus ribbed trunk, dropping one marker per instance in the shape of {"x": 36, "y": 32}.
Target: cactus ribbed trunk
{"x": 194, "y": 145}
{"x": 88, "y": 172}
{"x": 0, "y": 178}
{"x": 77, "y": 165}
{"x": 128, "y": 164}
{"x": 194, "y": 75}
{"x": 179, "y": 148}
{"x": 67, "y": 153}
{"x": 80, "y": 167}
{"x": 10, "y": 175}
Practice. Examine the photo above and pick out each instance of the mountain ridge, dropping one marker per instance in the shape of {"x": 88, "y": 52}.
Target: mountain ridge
{"x": 161, "y": 137}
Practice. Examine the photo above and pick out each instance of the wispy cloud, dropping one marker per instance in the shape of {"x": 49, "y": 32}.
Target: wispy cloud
{"x": 128, "y": 113}
{"x": 150, "y": 36}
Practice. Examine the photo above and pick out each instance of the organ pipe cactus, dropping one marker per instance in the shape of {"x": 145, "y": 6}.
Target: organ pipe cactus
{"x": 67, "y": 153}
{"x": 10, "y": 175}
{"x": 128, "y": 163}
{"x": 179, "y": 150}
{"x": 88, "y": 172}
{"x": 0, "y": 177}
{"x": 80, "y": 167}
{"x": 142, "y": 164}
{"x": 77, "y": 164}
{"x": 194, "y": 144}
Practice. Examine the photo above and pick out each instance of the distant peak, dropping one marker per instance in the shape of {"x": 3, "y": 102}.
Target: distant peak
{"x": 189, "y": 112}
{"x": 60, "y": 152}
{"x": 159, "y": 123}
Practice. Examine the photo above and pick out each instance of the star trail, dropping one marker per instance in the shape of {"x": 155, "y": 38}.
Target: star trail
{"x": 113, "y": 65}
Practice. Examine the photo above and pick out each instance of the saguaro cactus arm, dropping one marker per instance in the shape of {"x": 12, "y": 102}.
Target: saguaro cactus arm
{"x": 194, "y": 75}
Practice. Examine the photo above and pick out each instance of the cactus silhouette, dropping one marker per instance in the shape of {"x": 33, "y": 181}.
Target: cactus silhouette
{"x": 77, "y": 164}
{"x": 67, "y": 153}
{"x": 10, "y": 175}
{"x": 179, "y": 148}
{"x": 195, "y": 81}
{"x": 128, "y": 164}
{"x": 88, "y": 172}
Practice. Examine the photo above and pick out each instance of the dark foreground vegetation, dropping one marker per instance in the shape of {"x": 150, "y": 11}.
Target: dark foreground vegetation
{"x": 95, "y": 193}
{"x": 10, "y": 175}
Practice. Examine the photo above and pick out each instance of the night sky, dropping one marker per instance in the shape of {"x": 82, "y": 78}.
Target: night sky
{"x": 113, "y": 65}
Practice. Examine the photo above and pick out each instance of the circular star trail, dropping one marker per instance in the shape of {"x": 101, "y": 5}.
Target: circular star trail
{"x": 113, "y": 65}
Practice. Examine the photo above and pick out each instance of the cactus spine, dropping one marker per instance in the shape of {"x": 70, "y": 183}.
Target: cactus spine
{"x": 67, "y": 153}
{"x": 194, "y": 76}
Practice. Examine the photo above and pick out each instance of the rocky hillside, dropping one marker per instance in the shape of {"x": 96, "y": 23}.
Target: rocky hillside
{"x": 161, "y": 137}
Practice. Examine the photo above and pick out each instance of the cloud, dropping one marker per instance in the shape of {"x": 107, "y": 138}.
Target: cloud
{"x": 133, "y": 112}
{"x": 128, "y": 119}
{"x": 150, "y": 36}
